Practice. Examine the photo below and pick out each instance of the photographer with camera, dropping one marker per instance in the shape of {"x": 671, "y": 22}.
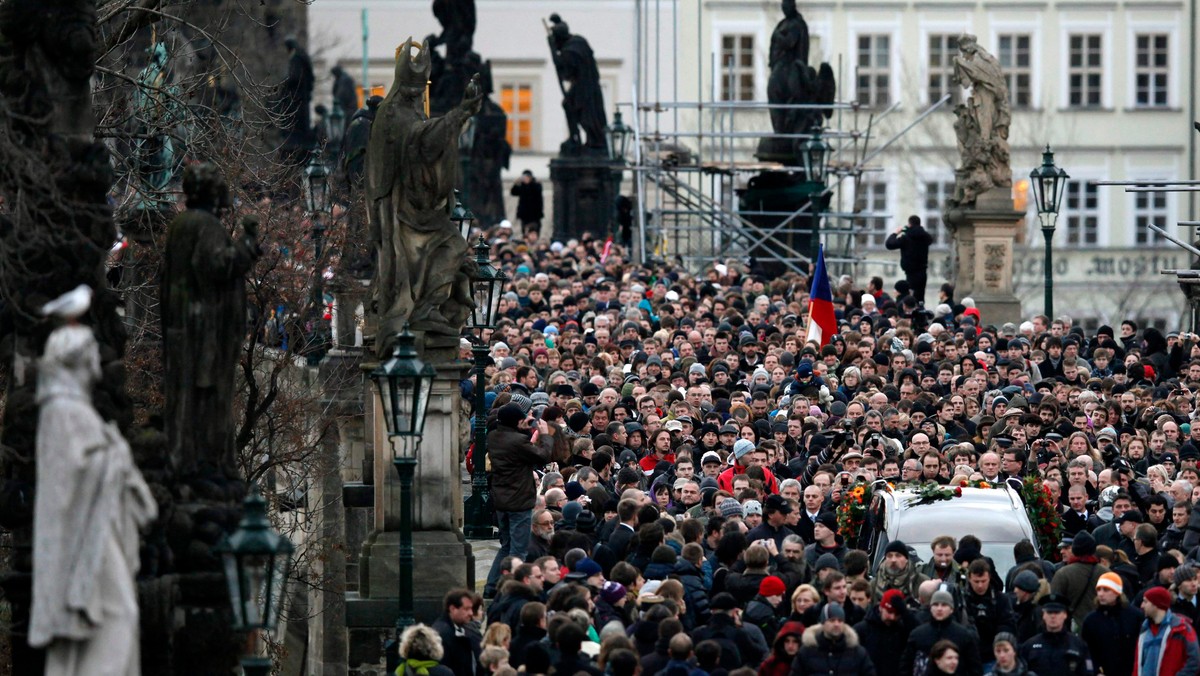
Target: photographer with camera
{"x": 519, "y": 445}
{"x": 913, "y": 241}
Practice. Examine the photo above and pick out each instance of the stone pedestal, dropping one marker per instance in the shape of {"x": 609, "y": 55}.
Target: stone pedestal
{"x": 768, "y": 200}
{"x": 983, "y": 248}
{"x": 443, "y": 557}
{"x": 585, "y": 193}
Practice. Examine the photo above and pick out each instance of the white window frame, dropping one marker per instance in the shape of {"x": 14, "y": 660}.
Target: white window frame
{"x": 888, "y": 28}
{"x": 890, "y": 193}
{"x": 1034, "y": 31}
{"x": 953, "y": 27}
{"x": 924, "y": 178}
{"x": 1071, "y": 26}
{"x": 1103, "y": 209}
{"x": 1148, "y": 173}
{"x": 762, "y": 44}
{"x": 1176, "y": 73}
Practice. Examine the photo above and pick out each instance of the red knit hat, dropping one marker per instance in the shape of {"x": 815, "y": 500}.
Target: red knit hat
{"x": 1159, "y": 596}
{"x": 893, "y": 599}
{"x": 772, "y": 586}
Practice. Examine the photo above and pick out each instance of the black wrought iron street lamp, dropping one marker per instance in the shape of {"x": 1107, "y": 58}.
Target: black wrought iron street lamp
{"x": 404, "y": 383}
{"x": 462, "y": 216}
{"x": 317, "y": 199}
{"x": 337, "y": 129}
{"x": 487, "y": 287}
{"x": 257, "y": 560}
{"x": 619, "y": 134}
{"x": 814, "y": 156}
{"x": 1049, "y": 183}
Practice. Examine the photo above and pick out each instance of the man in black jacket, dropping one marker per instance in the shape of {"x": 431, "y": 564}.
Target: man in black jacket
{"x": 725, "y": 628}
{"x": 462, "y": 647}
{"x": 514, "y": 491}
{"x": 530, "y": 207}
{"x": 885, "y": 631}
{"x": 913, "y": 241}
{"x": 941, "y": 625}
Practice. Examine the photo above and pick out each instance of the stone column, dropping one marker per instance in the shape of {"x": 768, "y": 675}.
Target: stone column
{"x": 984, "y": 236}
{"x": 443, "y": 557}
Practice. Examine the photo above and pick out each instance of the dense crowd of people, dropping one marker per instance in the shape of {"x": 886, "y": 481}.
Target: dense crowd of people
{"x": 667, "y": 455}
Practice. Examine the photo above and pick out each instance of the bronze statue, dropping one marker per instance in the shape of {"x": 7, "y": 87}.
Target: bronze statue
{"x": 583, "y": 99}
{"x": 203, "y": 308}
{"x": 981, "y": 125}
{"x": 793, "y": 81}
{"x": 412, "y": 169}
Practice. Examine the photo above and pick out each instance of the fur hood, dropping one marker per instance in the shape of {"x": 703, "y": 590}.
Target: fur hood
{"x": 419, "y": 642}
{"x": 809, "y": 639}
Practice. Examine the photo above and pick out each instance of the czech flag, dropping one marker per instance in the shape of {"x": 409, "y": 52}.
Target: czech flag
{"x": 822, "y": 324}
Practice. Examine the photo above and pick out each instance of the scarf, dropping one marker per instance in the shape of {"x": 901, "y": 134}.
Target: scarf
{"x": 419, "y": 667}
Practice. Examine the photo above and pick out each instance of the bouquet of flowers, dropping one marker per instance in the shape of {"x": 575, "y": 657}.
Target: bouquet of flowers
{"x": 852, "y": 510}
{"x": 931, "y": 492}
{"x": 1043, "y": 516}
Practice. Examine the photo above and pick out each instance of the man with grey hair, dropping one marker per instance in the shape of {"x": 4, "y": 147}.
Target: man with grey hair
{"x": 1181, "y": 492}
{"x": 551, "y": 480}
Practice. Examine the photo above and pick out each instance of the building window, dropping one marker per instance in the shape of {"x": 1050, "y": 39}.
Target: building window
{"x": 1149, "y": 207}
{"x": 1085, "y": 71}
{"x": 1152, "y": 65}
{"x": 873, "y": 199}
{"x": 1083, "y": 213}
{"x": 516, "y": 98}
{"x": 936, "y": 194}
{"x": 873, "y": 69}
{"x": 737, "y": 68}
{"x": 1018, "y": 73}
{"x": 942, "y": 50}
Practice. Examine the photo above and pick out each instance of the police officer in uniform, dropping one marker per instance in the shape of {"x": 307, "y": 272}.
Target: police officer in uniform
{"x": 1056, "y": 650}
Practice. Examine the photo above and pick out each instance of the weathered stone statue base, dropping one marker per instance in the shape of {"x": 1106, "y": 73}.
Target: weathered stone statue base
{"x": 443, "y": 557}
{"x": 983, "y": 248}
{"x": 584, "y": 195}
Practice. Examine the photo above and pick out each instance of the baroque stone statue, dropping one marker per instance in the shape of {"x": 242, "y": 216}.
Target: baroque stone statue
{"x": 981, "y": 123}
{"x": 412, "y": 169}
{"x": 583, "y": 99}
{"x": 203, "y": 305}
{"x": 91, "y": 501}
{"x": 793, "y": 81}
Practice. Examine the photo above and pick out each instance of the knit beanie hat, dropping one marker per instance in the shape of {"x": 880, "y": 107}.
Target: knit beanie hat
{"x": 772, "y": 586}
{"x": 1110, "y": 581}
{"x": 1159, "y": 596}
{"x": 730, "y": 508}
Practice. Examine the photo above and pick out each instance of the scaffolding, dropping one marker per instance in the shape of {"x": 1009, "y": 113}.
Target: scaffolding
{"x": 692, "y": 159}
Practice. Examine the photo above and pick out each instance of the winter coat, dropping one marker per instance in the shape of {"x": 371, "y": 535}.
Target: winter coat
{"x": 658, "y": 571}
{"x": 907, "y": 581}
{"x": 1077, "y": 581}
{"x": 737, "y": 648}
{"x": 814, "y": 551}
{"x": 693, "y": 593}
{"x": 1111, "y": 634}
{"x": 680, "y": 668}
{"x": 522, "y": 639}
{"x": 1019, "y": 670}
{"x": 657, "y": 660}
{"x": 915, "y": 658}
{"x": 462, "y": 647}
{"x": 821, "y": 654}
{"x": 1057, "y": 653}
{"x": 991, "y": 614}
{"x": 779, "y": 663}
{"x": 507, "y": 607}
{"x": 513, "y": 459}
{"x": 744, "y": 586}
{"x": 884, "y": 641}
{"x": 1178, "y": 654}
{"x": 762, "y": 614}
